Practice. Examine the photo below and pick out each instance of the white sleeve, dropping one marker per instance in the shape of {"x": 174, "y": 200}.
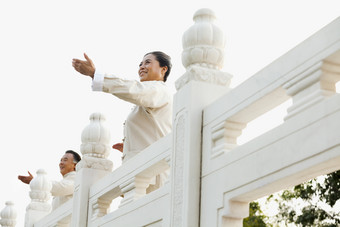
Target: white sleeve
{"x": 150, "y": 94}
{"x": 97, "y": 82}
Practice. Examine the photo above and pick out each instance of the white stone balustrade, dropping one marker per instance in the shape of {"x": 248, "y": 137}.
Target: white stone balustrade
{"x": 204, "y": 42}
{"x": 203, "y": 51}
{"x": 8, "y": 215}
{"x": 133, "y": 189}
{"x": 95, "y": 146}
{"x": 131, "y": 180}
{"x": 212, "y": 177}
{"x": 95, "y": 149}
{"x": 94, "y": 165}
{"x": 224, "y": 136}
{"x": 59, "y": 217}
{"x": 203, "y": 57}
{"x": 40, "y": 195}
{"x": 314, "y": 84}
{"x": 305, "y": 146}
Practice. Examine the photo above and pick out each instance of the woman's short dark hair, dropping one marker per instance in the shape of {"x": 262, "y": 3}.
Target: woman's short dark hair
{"x": 76, "y": 156}
{"x": 164, "y": 60}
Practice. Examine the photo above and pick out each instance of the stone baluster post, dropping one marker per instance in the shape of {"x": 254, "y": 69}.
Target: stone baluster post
{"x": 40, "y": 194}
{"x": 94, "y": 165}
{"x": 133, "y": 189}
{"x": 201, "y": 84}
{"x": 8, "y": 215}
{"x": 313, "y": 85}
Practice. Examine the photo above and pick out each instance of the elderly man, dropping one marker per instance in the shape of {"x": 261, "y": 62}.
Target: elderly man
{"x": 62, "y": 190}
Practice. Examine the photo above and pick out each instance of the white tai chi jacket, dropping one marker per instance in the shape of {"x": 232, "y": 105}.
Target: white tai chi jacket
{"x": 150, "y": 119}
{"x": 62, "y": 190}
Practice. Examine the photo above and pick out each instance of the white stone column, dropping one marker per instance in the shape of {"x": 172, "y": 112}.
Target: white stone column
{"x": 8, "y": 215}
{"x": 40, "y": 194}
{"x": 201, "y": 84}
{"x": 94, "y": 165}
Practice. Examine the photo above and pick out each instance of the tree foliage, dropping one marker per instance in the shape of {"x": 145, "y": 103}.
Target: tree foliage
{"x": 316, "y": 196}
{"x": 256, "y": 216}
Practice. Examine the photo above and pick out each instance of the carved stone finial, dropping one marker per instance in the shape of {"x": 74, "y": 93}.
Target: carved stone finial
{"x": 95, "y": 145}
{"x": 40, "y": 187}
{"x": 8, "y": 215}
{"x": 204, "y": 42}
{"x": 40, "y": 192}
{"x": 95, "y": 138}
{"x": 203, "y": 51}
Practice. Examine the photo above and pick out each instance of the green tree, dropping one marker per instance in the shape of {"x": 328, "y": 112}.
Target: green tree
{"x": 316, "y": 195}
{"x": 256, "y": 217}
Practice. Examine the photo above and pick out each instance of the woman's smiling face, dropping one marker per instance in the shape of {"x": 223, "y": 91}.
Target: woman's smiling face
{"x": 149, "y": 69}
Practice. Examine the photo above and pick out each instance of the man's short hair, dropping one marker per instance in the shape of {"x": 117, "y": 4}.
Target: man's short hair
{"x": 76, "y": 156}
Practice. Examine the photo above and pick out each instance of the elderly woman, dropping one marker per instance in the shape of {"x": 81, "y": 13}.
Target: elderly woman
{"x": 151, "y": 118}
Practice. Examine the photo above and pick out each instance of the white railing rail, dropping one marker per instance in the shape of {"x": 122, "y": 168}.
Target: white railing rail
{"x": 131, "y": 180}
{"x": 307, "y": 74}
{"x": 212, "y": 177}
{"x": 59, "y": 217}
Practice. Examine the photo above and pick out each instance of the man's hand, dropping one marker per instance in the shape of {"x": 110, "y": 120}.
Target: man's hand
{"x": 118, "y": 146}
{"x": 84, "y": 67}
{"x": 26, "y": 179}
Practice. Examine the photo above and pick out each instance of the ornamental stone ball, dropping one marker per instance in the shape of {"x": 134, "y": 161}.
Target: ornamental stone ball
{"x": 96, "y": 137}
{"x": 203, "y": 43}
{"x": 95, "y": 145}
{"x": 203, "y": 52}
{"x": 8, "y": 215}
{"x": 40, "y": 187}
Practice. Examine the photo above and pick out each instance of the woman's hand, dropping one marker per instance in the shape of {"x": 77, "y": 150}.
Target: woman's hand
{"x": 84, "y": 67}
{"x": 118, "y": 146}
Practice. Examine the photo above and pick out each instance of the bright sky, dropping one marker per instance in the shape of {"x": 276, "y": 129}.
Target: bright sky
{"x": 45, "y": 104}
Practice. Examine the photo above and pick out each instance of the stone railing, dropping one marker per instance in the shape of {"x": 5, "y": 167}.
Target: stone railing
{"x": 60, "y": 217}
{"x": 40, "y": 194}
{"x": 131, "y": 180}
{"x": 305, "y": 146}
{"x": 212, "y": 178}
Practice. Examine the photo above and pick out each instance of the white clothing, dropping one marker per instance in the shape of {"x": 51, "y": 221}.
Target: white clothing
{"x": 150, "y": 119}
{"x": 62, "y": 190}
